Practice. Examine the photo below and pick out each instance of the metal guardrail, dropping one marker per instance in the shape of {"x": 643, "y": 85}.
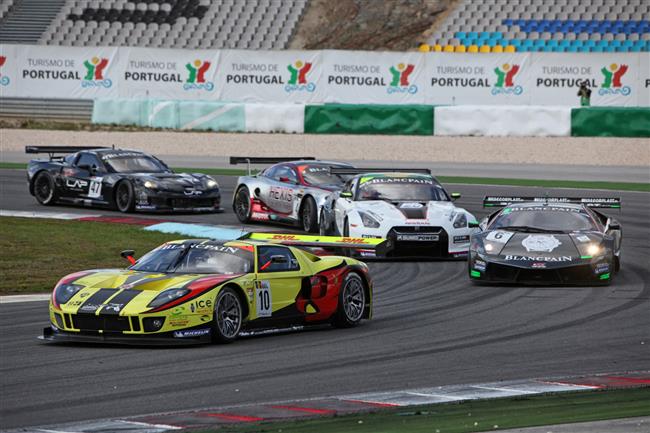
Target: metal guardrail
{"x": 80, "y": 110}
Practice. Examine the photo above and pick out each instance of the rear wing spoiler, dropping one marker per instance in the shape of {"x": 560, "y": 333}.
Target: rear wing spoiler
{"x": 56, "y": 150}
{"x": 248, "y": 160}
{"x": 354, "y": 170}
{"x": 593, "y": 202}
{"x": 379, "y": 245}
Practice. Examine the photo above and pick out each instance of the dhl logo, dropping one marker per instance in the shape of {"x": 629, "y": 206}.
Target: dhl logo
{"x": 285, "y": 237}
{"x": 353, "y": 240}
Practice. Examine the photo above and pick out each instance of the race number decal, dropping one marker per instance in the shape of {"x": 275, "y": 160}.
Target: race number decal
{"x": 263, "y": 298}
{"x": 499, "y": 236}
{"x": 95, "y": 188}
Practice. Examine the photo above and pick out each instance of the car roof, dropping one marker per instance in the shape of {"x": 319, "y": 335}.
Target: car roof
{"x": 313, "y": 162}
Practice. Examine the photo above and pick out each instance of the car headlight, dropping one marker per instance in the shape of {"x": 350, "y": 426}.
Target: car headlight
{"x": 64, "y": 292}
{"x": 460, "y": 221}
{"x": 167, "y": 296}
{"x": 368, "y": 221}
{"x": 211, "y": 183}
{"x": 150, "y": 184}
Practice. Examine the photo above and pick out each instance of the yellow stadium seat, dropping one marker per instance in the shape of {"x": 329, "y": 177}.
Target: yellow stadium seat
{"x": 472, "y": 49}
{"x": 510, "y": 49}
{"x": 460, "y": 49}
{"x": 424, "y": 48}
{"x": 484, "y": 49}
{"x": 449, "y": 49}
{"x": 497, "y": 49}
{"x": 437, "y": 48}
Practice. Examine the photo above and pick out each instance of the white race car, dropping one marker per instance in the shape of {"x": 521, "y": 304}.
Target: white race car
{"x": 410, "y": 209}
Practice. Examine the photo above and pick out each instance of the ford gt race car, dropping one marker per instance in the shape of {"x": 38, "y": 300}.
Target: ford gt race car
{"x": 193, "y": 291}
{"x": 124, "y": 179}
{"x": 291, "y": 192}
{"x": 546, "y": 240}
{"x": 410, "y": 209}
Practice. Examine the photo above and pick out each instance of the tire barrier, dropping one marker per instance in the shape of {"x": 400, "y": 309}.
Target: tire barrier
{"x": 610, "y": 122}
{"x": 369, "y": 119}
{"x": 477, "y": 120}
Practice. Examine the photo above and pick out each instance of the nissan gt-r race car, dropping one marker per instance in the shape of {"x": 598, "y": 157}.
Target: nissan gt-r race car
{"x": 194, "y": 291}
{"x": 410, "y": 209}
{"x": 546, "y": 240}
{"x": 124, "y": 179}
{"x": 290, "y": 192}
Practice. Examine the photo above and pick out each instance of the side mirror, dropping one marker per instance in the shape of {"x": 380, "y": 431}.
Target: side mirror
{"x": 285, "y": 179}
{"x": 345, "y": 194}
{"x": 455, "y": 195}
{"x": 84, "y": 167}
{"x": 279, "y": 259}
{"x": 614, "y": 225}
{"x": 128, "y": 255}
{"x": 473, "y": 224}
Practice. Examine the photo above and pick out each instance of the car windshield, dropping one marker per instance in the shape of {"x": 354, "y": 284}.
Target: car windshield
{"x": 417, "y": 188}
{"x": 318, "y": 174}
{"x": 196, "y": 258}
{"x": 135, "y": 164}
{"x": 546, "y": 218}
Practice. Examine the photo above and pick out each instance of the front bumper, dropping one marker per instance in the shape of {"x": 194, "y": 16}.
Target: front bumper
{"x": 164, "y": 201}
{"x": 52, "y": 334}
{"x": 419, "y": 242}
{"x": 580, "y": 274}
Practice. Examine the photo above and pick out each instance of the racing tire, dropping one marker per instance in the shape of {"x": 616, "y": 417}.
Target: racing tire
{"x": 242, "y": 204}
{"x": 125, "y": 197}
{"x": 45, "y": 188}
{"x": 352, "y": 302}
{"x": 323, "y": 226}
{"x": 228, "y": 316}
{"x": 308, "y": 211}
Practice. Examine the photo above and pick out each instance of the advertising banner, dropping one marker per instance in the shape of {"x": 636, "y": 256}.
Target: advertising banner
{"x": 271, "y": 76}
{"x": 170, "y": 74}
{"x": 644, "y": 80}
{"x": 612, "y": 78}
{"x": 481, "y": 79}
{"x": 8, "y": 71}
{"x": 365, "y": 77}
{"x": 68, "y": 72}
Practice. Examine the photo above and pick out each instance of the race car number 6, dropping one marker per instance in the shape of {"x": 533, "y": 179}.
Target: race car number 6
{"x": 263, "y": 299}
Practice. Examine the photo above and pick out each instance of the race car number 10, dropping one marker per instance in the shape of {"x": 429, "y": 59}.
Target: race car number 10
{"x": 263, "y": 298}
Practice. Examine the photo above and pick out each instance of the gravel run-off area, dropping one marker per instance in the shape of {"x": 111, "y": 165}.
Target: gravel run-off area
{"x": 605, "y": 151}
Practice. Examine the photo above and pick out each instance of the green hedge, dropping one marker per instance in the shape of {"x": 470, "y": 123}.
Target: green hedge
{"x": 610, "y": 122}
{"x": 369, "y": 119}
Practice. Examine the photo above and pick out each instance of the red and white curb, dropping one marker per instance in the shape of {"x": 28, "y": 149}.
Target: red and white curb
{"x": 348, "y": 404}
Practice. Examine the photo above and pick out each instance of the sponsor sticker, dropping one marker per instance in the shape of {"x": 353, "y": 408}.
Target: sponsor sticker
{"x": 263, "y": 299}
{"x": 461, "y": 239}
{"x": 418, "y": 238}
{"x": 583, "y": 238}
{"x": 191, "y": 333}
{"x": 480, "y": 265}
{"x": 410, "y": 205}
{"x": 538, "y": 265}
{"x": 540, "y": 243}
{"x": 601, "y": 268}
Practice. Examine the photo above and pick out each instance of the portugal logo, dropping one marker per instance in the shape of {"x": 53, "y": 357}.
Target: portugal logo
{"x": 4, "y": 80}
{"x": 196, "y": 78}
{"x": 298, "y": 77}
{"x": 505, "y": 80}
{"x": 95, "y": 73}
{"x": 612, "y": 80}
{"x": 400, "y": 79}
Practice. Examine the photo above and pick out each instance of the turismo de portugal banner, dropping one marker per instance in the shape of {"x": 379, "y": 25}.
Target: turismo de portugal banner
{"x": 330, "y": 76}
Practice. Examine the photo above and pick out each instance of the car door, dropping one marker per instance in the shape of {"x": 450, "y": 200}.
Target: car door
{"x": 277, "y": 284}
{"x": 278, "y": 190}
{"x": 84, "y": 178}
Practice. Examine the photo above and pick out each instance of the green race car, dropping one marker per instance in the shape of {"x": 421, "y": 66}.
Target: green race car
{"x": 192, "y": 291}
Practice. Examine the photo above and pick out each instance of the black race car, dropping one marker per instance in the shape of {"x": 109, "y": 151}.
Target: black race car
{"x": 124, "y": 179}
{"x": 546, "y": 240}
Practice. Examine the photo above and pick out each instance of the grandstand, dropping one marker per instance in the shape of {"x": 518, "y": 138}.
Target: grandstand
{"x": 193, "y": 24}
{"x": 545, "y": 25}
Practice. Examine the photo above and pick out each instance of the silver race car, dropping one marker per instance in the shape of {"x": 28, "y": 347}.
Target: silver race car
{"x": 292, "y": 191}
{"x": 409, "y": 208}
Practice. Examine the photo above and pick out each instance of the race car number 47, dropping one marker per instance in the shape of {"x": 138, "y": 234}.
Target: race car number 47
{"x": 263, "y": 298}
{"x": 95, "y": 189}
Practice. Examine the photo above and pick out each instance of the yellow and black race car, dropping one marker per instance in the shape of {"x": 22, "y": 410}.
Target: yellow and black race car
{"x": 192, "y": 291}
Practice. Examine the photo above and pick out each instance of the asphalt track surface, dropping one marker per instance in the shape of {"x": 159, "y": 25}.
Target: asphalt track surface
{"x": 431, "y": 328}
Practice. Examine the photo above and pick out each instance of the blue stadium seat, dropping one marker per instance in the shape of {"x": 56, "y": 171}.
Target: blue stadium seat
{"x": 597, "y": 49}
{"x": 515, "y": 43}
{"x": 564, "y": 43}
{"x": 571, "y": 49}
{"x": 461, "y": 35}
{"x": 584, "y": 49}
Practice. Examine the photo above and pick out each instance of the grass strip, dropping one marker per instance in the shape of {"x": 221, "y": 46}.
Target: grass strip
{"x": 475, "y": 415}
{"x": 543, "y": 183}
{"x": 36, "y": 253}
